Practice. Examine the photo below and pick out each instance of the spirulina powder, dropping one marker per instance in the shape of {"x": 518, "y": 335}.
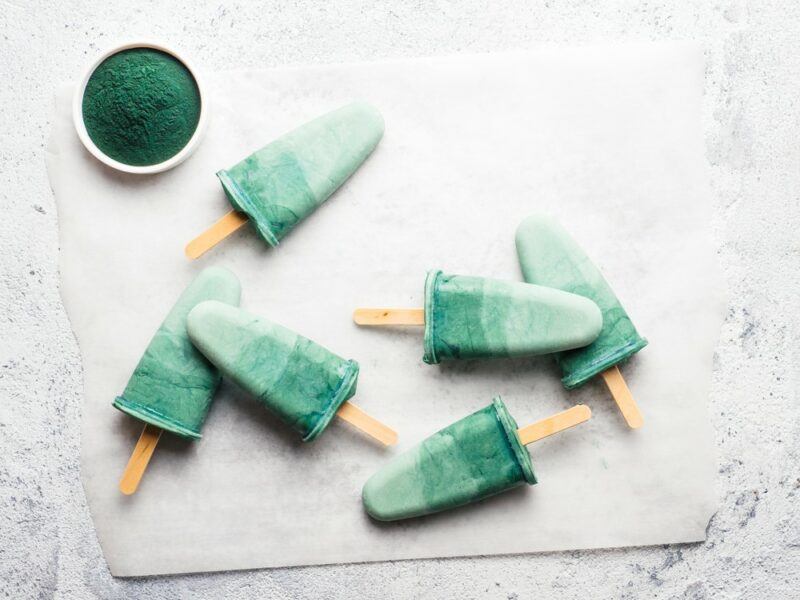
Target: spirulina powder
{"x": 141, "y": 106}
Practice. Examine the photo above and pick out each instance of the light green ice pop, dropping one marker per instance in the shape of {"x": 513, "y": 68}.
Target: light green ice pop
{"x": 285, "y": 181}
{"x": 476, "y": 317}
{"x": 288, "y": 179}
{"x": 549, "y": 256}
{"x": 473, "y": 458}
{"x": 173, "y": 384}
{"x": 479, "y": 456}
{"x": 300, "y": 381}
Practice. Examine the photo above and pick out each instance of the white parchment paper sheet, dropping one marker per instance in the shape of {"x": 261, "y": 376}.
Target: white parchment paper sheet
{"x": 606, "y": 138}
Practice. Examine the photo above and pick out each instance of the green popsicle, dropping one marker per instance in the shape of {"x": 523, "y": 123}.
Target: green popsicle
{"x": 549, "y": 256}
{"x": 299, "y": 380}
{"x": 284, "y": 182}
{"x": 173, "y": 384}
{"x": 476, "y": 317}
{"x": 473, "y": 458}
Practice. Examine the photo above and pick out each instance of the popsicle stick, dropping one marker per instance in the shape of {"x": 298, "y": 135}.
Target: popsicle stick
{"x": 139, "y": 459}
{"x": 389, "y": 316}
{"x": 215, "y": 234}
{"x": 558, "y": 422}
{"x": 361, "y": 420}
{"x": 623, "y": 397}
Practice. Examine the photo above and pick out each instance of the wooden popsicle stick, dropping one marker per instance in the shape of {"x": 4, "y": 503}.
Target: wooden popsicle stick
{"x": 623, "y": 397}
{"x": 558, "y": 422}
{"x": 139, "y": 459}
{"x": 361, "y": 420}
{"x": 215, "y": 234}
{"x": 389, "y": 316}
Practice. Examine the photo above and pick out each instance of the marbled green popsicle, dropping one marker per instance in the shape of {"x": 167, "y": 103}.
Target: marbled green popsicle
{"x": 281, "y": 184}
{"x": 549, "y": 256}
{"x": 173, "y": 384}
{"x": 299, "y": 380}
{"x": 473, "y": 458}
{"x": 476, "y": 317}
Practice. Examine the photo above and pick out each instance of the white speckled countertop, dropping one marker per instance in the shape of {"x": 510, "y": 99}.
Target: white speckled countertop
{"x": 47, "y": 544}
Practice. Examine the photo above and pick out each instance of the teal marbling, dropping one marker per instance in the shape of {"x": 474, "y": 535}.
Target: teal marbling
{"x": 476, "y": 317}
{"x": 473, "y": 458}
{"x": 173, "y": 384}
{"x": 549, "y": 256}
{"x": 284, "y": 182}
{"x": 299, "y": 380}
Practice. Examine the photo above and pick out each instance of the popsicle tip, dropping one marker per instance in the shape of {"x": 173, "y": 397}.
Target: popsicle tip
{"x": 635, "y": 422}
{"x": 370, "y": 110}
{"x": 223, "y": 278}
{"x": 192, "y": 251}
{"x": 127, "y": 488}
{"x": 530, "y": 224}
{"x": 371, "y": 496}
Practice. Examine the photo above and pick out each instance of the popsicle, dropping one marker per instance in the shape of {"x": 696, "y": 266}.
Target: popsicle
{"x": 303, "y": 383}
{"x": 172, "y": 386}
{"x": 479, "y": 456}
{"x": 549, "y": 256}
{"x": 475, "y": 317}
{"x": 278, "y": 186}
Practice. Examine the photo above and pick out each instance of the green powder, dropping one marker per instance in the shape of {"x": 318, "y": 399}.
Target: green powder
{"x": 141, "y": 106}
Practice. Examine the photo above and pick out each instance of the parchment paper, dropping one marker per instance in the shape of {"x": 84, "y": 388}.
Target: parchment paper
{"x": 607, "y": 139}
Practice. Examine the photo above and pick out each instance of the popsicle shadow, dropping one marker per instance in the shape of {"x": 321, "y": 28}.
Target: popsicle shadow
{"x": 246, "y": 238}
{"x": 561, "y": 444}
{"x": 594, "y": 394}
{"x": 130, "y": 429}
{"x": 501, "y": 369}
{"x": 174, "y": 446}
{"x": 597, "y": 396}
{"x": 632, "y": 364}
{"x": 392, "y": 333}
{"x": 350, "y": 438}
{"x": 248, "y": 409}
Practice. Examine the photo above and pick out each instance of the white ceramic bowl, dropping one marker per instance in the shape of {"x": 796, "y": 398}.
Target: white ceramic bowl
{"x": 80, "y": 127}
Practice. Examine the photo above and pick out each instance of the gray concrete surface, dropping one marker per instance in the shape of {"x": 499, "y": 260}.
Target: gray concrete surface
{"x": 752, "y": 127}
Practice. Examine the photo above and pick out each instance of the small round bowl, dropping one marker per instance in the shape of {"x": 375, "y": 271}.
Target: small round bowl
{"x": 80, "y": 127}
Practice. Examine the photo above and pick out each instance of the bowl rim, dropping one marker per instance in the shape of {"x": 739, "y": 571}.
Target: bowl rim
{"x": 83, "y": 134}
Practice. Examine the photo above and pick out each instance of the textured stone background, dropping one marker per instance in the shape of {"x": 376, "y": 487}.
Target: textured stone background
{"x": 752, "y": 128}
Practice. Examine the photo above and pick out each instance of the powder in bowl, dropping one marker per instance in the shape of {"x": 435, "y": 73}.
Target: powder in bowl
{"x": 141, "y": 106}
